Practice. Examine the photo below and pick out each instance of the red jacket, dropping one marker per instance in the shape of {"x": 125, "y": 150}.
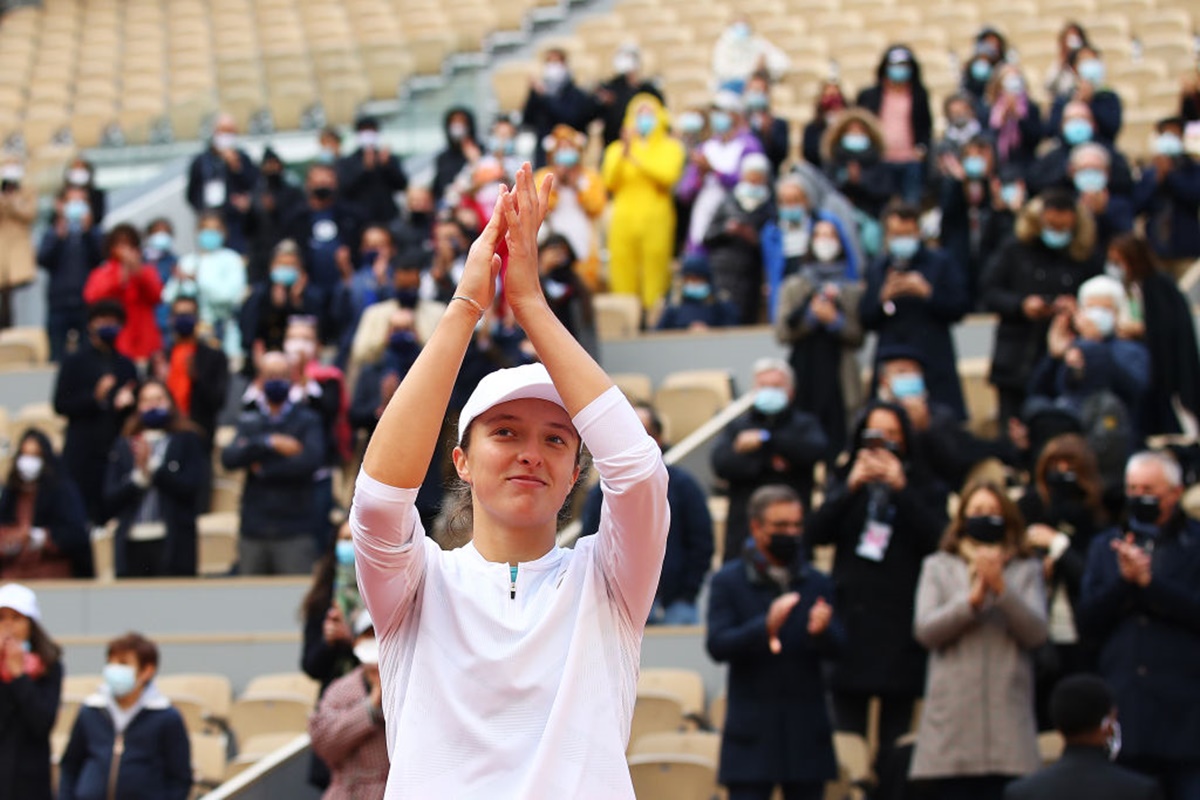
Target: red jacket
{"x": 140, "y": 338}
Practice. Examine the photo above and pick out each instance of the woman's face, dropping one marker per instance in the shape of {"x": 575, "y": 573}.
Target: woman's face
{"x": 521, "y": 462}
{"x": 983, "y": 503}
{"x": 13, "y": 625}
{"x": 30, "y": 447}
{"x": 152, "y": 396}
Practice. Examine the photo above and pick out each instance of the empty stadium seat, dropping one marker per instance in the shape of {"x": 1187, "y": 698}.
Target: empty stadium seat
{"x": 636, "y": 386}
{"x": 213, "y": 692}
{"x": 685, "y": 684}
{"x": 268, "y": 714}
{"x": 618, "y": 316}
{"x": 719, "y": 380}
{"x": 288, "y": 683}
{"x": 656, "y": 711}
{"x": 683, "y": 409}
{"x": 209, "y": 759}
{"x": 704, "y": 744}
{"x": 675, "y": 777}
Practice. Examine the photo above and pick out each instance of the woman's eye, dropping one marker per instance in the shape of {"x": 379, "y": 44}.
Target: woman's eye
{"x": 503, "y": 432}
{"x": 556, "y": 440}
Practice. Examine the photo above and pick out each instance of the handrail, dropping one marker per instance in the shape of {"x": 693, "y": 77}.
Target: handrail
{"x": 259, "y": 769}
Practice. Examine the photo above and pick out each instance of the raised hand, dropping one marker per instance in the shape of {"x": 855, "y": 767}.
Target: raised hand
{"x": 483, "y": 265}
{"x": 819, "y": 617}
{"x": 525, "y": 209}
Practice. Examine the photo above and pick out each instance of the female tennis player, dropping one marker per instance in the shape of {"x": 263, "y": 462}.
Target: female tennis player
{"x": 509, "y": 665}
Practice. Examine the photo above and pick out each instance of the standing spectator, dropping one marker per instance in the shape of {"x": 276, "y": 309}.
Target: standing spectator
{"x": 369, "y": 284}
{"x": 991, "y": 51}
{"x": 913, "y": 295}
{"x": 377, "y": 382}
{"x": 1060, "y": 77}
{"x": 70, "y": 249}
{"x": 156, "y": 475}
{"x": 689, "y": 538}
{"x": 94, "y": 391}
{"x": 770, "y": 443}
{"x": 640, "y": 172}
{"x": 128, "y": 720}
{"x": 216, "y": 277}
{"x": 770, "y": 130}
{"x": 371, "y": 175}
{"x": 1031, "y": 277}
{"x": 1090, "y": 88}
{"x": 501, "y": 144}
{"x": 696, "y": 304}
{"x": 734, "y": 238}
{"x": 770, "y": 618}
{"x": 275, "y": 199}
{"x": 852, "y": 157}
{"x": 81, "y": 174}
{"x": 280, "y": 444}
{"x": 125, "y": 279}
{"x": 44, "y": 530}
{"x": 195, "y": 372}
{"x": 980, "y": 611}
{"x": 962, "y": 125}
{"x": 329, "y": 146}
{"x": 462, "y": 149}
{"x": 18, "y": 208}
{"x": 614, "y": 94}
{"x": 31, "y": 675}
{"x": 1012, "y": 117}
{"x": 974, "y": 221}
{"x": 830, "y": 103}
{"x": 1089, "y": 167}
{"x": 883, "y": 513}
{"x": 554, "y": 99}
{"x": 739, "y": 53}
{"x": 568, "y": 296}
{"x": 1168, "y": 195}
{"x": 1053, "y": 167}
{"x": 266, "y": 312}
{"x": 1139, "y": 592}
{"x": 901, "y": 103}
{"x": 158, "y": 250}
{"x": 222, "y": 178}
{"x": 577, "y": 200}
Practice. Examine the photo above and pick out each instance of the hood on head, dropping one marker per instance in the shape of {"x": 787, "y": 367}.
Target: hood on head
{"x": 454, "y": 110}
{"x": 660, "y": 112}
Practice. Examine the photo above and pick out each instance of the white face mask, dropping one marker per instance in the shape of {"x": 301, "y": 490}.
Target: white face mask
{"x": 367, "y": 651}
{"x": 79, "y": 177}
{"x": 368, "y": 138}
{"x": 826, "y": 249}
{"x": 297, "y": 348}
{"x": 1103, "y": 318}
{"x": 224, "y": 141}
{"x": 29, "y": 467}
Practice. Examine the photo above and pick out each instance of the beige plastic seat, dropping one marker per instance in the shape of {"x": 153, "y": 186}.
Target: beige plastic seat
{"x": 618, "y": 316}
{"x": 656, "y": 712}
{"x": 209, "y": 759}
{"x": 1050, "y": 746}
{"x": 217, "y": 548}
{"x": 212, "y": 691}
{"x": 17, "y": 355}
{"x": 678, "y": 777}
{"x": 685, "y": 684}
{"x": 39, "y": 415}
{"x": 103, "y": 558}
{"x": 685, "y": 408}
{"x": 853, "y": 758}
{"x": 510, "y": 84}
{"x": 705, "y": 744}
{"x": 636, "y": 385}
{"x": 262, "y": 714}
{"x": 719, "y": 380}
{"x": 288, "y": 683}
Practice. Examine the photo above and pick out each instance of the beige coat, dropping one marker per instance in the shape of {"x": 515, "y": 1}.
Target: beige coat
{"x": 978, "y": 717}
{"x": 17, "y": 212}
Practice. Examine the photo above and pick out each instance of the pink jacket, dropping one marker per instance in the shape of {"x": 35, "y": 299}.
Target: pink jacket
{"x": 349, "y": 740}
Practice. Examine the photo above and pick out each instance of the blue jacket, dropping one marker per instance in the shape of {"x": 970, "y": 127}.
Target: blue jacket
{"x": 718, "y": 311}
{"x": 1115, "y": 365}
{"x": 775, "y": 264}
{"x": 69, "y": 260}
{"x": 1150, "y": 641}
{"x": 1172, "y": 208}
{"x": 155, "y": 763}
{"x": 1106, "y": 111}
{"x": 777, "y": 728}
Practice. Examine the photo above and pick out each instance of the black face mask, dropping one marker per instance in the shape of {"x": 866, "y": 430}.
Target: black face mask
{"x": 322, "y": 193}
{"x": 274, "y": 180}
{"x": 408, "y": 298}
{"x": 985, "y": 528}
{"x": 783, "y": 547}
{"x": 1143, "y": 511}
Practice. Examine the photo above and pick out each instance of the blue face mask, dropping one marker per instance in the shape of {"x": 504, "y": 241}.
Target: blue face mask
{"x": 720, "y": 122}
{"x": 1090, "y": 180}
{"x": 908, "y": 384}
{"x": 646, "y": 123}
{"x": 285, "y": 276}
{"x": 1055, "y": 240}
{"x": 981, "y": 69}
{"x": 974, "y": 166}
{"x": 696, "y": 291}
{"x": 1168, "y": 144}
{"x": 691, "y": 123}
{"x": 344, "y": 552}
{"x": 108, "y": 334}
{"x": 156, "y": 418}
{"x": 899, "y": 73}
{"x": 1010, "y": 193}
{"x": 209, "y": 239}
{"x": 756, "y": 101}
{"x": 161, "y": 241}
{"x": 1077, "y": 131}
{"x": 566, "y": 158}
{"x": 856, "y": 142}
{"x": 797, "y": 215}
{"x": 770, "y": 400}
{"x": 276, "y": 390}
{"x": 121, "y": 679}
{"x": 503, "y": 146}
{"x": 903, "y": 248}
{"x": 1091, "y": 71}
{"x": 75, "y": 210}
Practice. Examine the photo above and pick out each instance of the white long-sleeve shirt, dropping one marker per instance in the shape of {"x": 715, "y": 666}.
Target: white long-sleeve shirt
{"x": 487, "y": 695}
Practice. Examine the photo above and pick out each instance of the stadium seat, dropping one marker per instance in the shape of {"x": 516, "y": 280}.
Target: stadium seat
{"x": 685, "y": 684}
{"x": 683, "y": 409}
{"x": 636, "y": 385}
{"x": 288, "y": 683}
{"x": 655, "y": 711}
{"x": 209, "y": 759}
{"x": 853, "y": 758}
{"x": 705, "y": 744}
{"x": 716, "y": 711}
{"x": 1050, "y": 746}
{"x": 678, "y": 777}
{"x": 213, "y": 692}
{"x": 16, "y": 355}
{"x": 720, "y": 381}
{"x": 218, "y": 537}
{"x": 262, "y": 714}
{"x": 618, "y": 316}
{"x": 103, "y": 558}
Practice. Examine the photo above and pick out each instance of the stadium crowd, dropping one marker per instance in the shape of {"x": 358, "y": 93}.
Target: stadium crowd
{"x": 313, "y": 300}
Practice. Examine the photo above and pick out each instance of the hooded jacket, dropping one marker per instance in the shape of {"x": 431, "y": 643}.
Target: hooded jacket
{"x": 641, "y": 184}
{"x": 451, "y": 161}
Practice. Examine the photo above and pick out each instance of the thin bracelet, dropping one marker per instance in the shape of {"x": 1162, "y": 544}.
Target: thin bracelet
{"x": 466, "y": 299}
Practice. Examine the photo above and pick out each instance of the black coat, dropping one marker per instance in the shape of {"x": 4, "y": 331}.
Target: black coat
{"x": 1174, "y": 358}
{"x": 179, "y": 481}
{"x": 210, "y": 387}
{"x": 270, "y": 205}
{"x": 450, "y": 162}
{"x": 613, "y": 113}
{"x": 298, "y": 227}
{"x": 372, "y": 190}
{"x": 27, "y": 711}
{"x": 209, "y": 166}
{"x": 1083, "y": 772}
{"x": 262, "y": 320}
{"x": 950, "y": 450}
{"x": 69, "y": 260}
{"x": 777, "y": 727}
{"x": 1051, "y": 170}
{"x": 795, "y": 437}
{"x": 774, "y": 139}
{"x": 969, "y": 250}
{"x": 570, "y": 106}
{"x": 921, "y": 323}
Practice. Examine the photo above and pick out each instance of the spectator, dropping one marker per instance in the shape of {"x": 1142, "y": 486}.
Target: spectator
{"x": 734, "y": 238}
{"x": 980, "y": 611}
{"x": 1090, "y": 88}
{"x": 883, "y": 513}
{"x": 414, "y": 227}
{"x": 1060, "y": 77}
{"x": 1085, "y": 713}
{"x": 901, "y": 103}
{"x": 370, "y": 176}
{"x": 377, "y": 382}
{"x": 275, "y": 199}
{"x": 1140, "y": 580}
{"x": 329, "y": 146}
{"x": 830, "y": 103}
{"x": 158, "y": 250}
{"x": 18, "y": 208}
{"x": 614, "y": 94}
{"x": 501, "y": 145}
{"x": 697, "y": 305}
{"x": 852, "y": 153}
{"x": 129, "y": 720}
{"x": 44, "y": 531}
{"x": 462, "y": 148}
{"x": 156, "y": 476}
{"x": 280, "y": 444}
{"x": 974, "y": 220}
{"x": 577, "y": 200}
{"x": 962, "y": 125}
{"x": 31, "y": 675}
{"x": 770, "y": 619}
{"x": 70, "y": 249}
{"x": 770, "y": 443}
{"x": 195, "y": 372}
{"x": 1012, "y": 118}
{"x": 1089, "y": 167}
{"x": 818, "y": 316}
{"x": 1168, "y": 196}
{"x": 81, "y": 174}
{"x": 370, "y": 283}
{"x": 991, "y": 51}
{"x": 94, "y": 391}
{"x": 770, "y": 130}
{"x": 216, "y": 277}
{"x": 221, "y": 179}
{"x": 347, "y": 728}
{"x": 125, "y": 279}
{"x": 1161, "y": 317}
{"x": 1028, "y": 280}
{"x": 565, "y": 291}
{"x": 689, "y": 538}
{"x": 639, "y": 172}
{"x": 912, "y": 297}
{"x": 554, "y": 99}
{"x": 739, "y": 53}
{"x": 1078, "y": 127}
{"x": 692, "y": 127}
{"x": 269, "y": 307}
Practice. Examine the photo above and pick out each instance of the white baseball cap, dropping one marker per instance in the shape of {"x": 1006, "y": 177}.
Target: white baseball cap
{"x": 20, "y": 599}
{"x": 515, "y": 383}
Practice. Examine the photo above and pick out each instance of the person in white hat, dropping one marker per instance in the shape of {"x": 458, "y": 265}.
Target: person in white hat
{"x": 509, "y": 665}
{"x": 31, "y": 676}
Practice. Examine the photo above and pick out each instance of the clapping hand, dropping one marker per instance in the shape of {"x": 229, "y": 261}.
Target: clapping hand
{"x": 819, "y": 617}
{"x": 1132, "y": 561}
{"x": 778, "y": 613}
{"x": 524, "y": 209}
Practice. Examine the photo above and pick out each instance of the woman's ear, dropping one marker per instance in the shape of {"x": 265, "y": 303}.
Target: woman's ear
{"x": 460, "y": 465}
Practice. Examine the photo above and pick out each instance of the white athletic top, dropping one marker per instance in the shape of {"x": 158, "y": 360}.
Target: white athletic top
{"x": 491, "y": 696}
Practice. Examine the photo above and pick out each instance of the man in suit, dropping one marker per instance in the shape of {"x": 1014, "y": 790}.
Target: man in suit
{"x": 770, "y": 620}
{"x": 1083, "y": 711}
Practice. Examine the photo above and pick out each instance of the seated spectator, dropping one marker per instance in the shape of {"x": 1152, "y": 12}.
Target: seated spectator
{"x": 900, "y": 101}
{"x": 830, "y": 102}
{"x": 158, "y": 250}
{"x": 739, "y": 53}
{"x": 981, "y": 612}
{"x": 770, "y": 619}
{"x": 689, "y": 538}
{"x": 734, "y": 238}
{"x": 347, "y": 728}
{"x": 962, "y": 125}
{"x": 216, "y": 277}
{"x": 577, "y": 199}
{"x": 451, "y": 241}
{"x": 44, "y": 532}
{"x": 771, "y": 443}
{"x": 371, "y": 175}
{"x": 1089, "y": 168}
{"x": 912, "y": 297}
{"x": 1053, "y": 167}
{"x": 770, "y": 130}
{"x": 1084, "y": 712}
{"x": 70, "y": 249}
{"x": 883, "y": 512}
{"x": 371, "y": 282}
{"x": 195, "y": 372}
{"x": 414, "y": 227}
{"x": 555, "y": 99}
{"x": 281, "y": 446}
{"x": 1060, "y": 77}
{"x": 1011, "y": 118}
{"x": 18, "y": 209}
{"x": 1090, "y": 88}
{"x": 288, "y": 293}
{"x": 126, "y": 280}
{"x": 990, "y": 53}
{"x": 565, "y": 291}
{"x": 31, "y": 676}
{"x": 501, "y": 145}
{"x": 274, "y": 200}
{"x": 221, "y": 179}
{"x": 696, "y": 304}
{"x": 130, "y": 721}
{"x": 614, "y": 94}
{"x": 156, "y": 476}
{"x": 1168, "y": 198}
{"x": 974, "y": 220}
{"x": 81, "y": 174}
{"x": 1138, "y": 580}
{"x": 852, "y": 153}
{"x": 94, "y": 391}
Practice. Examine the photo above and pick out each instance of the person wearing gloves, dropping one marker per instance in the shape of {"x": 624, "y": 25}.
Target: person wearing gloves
{"x": 216, "y": 277}
{"x": 495, "y": 645}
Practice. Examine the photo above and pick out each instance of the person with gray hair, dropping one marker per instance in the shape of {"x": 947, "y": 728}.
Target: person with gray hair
{"x": 1140, "y": 604}
{"x": 1090, "y": 169}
